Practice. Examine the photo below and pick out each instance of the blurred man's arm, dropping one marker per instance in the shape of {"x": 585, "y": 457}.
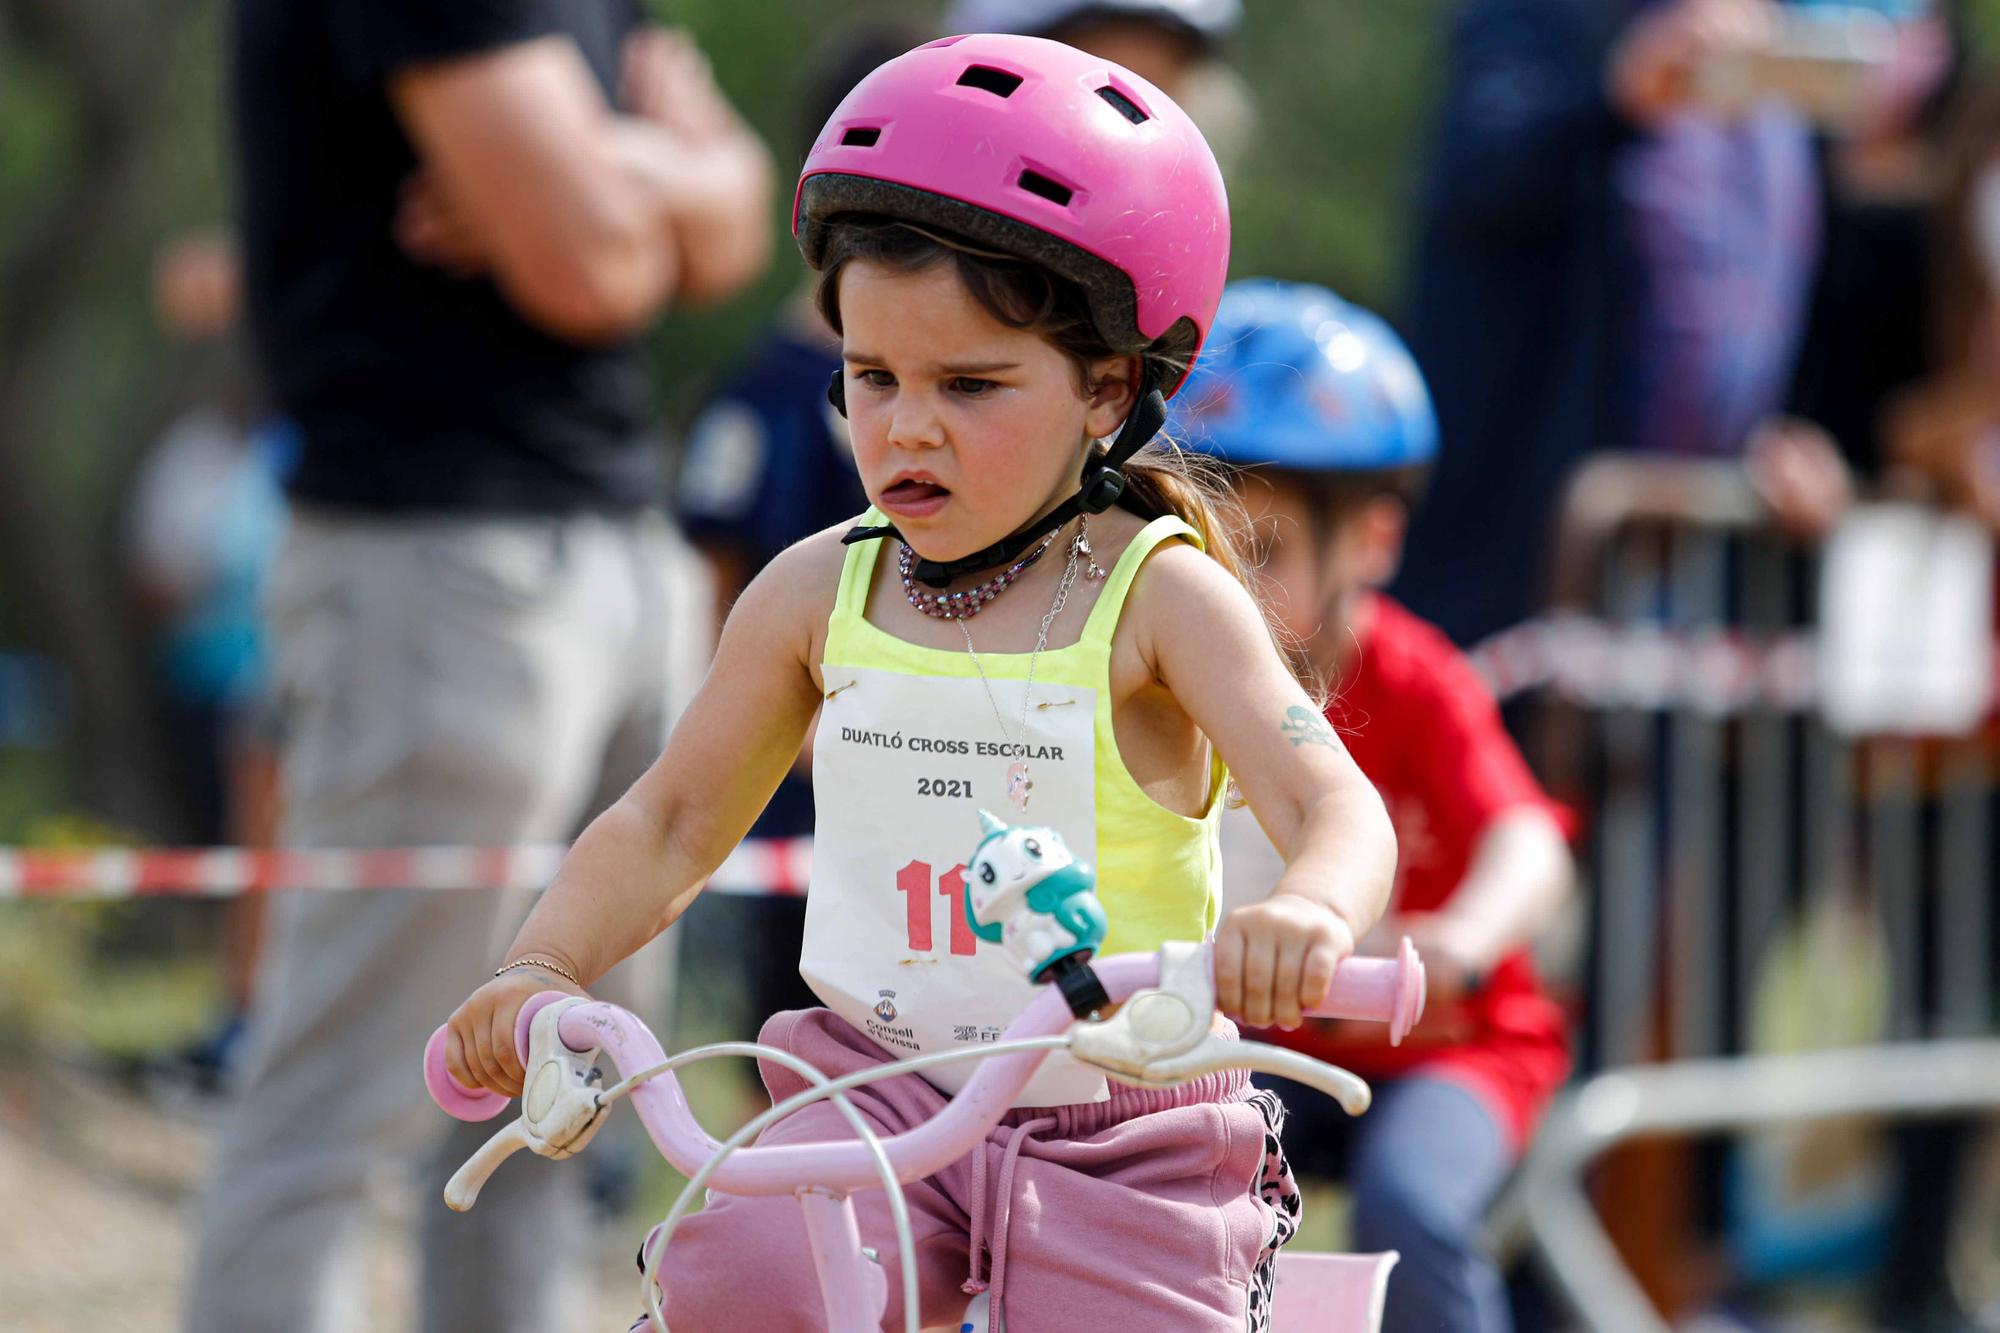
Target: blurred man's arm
{"x": 588, "y": 220}
{"x": 725, "y": 241}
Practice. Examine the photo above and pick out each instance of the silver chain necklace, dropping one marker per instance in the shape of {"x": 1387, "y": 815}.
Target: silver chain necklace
{"x": 1019, "y": 783}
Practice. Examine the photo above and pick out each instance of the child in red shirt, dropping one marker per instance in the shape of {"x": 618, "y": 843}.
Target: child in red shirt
{"x": 1325, "y": 410}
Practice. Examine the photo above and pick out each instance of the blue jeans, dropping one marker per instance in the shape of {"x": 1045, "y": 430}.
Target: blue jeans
{"x": 1422, "y": 1165}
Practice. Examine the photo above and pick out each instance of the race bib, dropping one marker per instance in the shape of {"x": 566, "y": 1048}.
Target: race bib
{"x": 902, "y": 765}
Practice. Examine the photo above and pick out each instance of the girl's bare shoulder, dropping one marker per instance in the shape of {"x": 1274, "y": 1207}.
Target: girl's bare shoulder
{"x": 1177, "y": 572}
{"x": 812, "y": 564}
{"x": 1182, "y": 594}
{"x": 790, "y": 599}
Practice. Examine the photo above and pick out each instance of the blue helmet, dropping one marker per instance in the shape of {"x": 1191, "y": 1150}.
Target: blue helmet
{"x": 1294, "y": 377}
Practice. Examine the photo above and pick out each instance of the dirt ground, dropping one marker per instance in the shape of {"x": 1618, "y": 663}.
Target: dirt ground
{"x": 99, "y": 1181}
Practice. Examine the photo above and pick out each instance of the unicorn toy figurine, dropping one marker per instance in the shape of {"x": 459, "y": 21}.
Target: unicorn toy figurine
{"x": 1026, "y": 892}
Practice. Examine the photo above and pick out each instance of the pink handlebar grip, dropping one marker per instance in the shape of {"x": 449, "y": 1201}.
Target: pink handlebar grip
{"x": 524, "y": 1022}
{"x": 1379, "y": 990}
{"x": 453, "y": 1097}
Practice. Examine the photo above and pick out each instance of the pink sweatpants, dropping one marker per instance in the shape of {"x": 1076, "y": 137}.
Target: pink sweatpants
{"x": 1142, "y": 1212}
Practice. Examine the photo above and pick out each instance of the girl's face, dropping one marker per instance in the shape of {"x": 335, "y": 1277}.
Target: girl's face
{"x": 964, "y": 429}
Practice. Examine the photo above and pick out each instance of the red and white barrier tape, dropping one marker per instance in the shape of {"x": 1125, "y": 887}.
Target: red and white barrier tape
{"x": 1592, "y": 663}
{"x": 759, "y": 867}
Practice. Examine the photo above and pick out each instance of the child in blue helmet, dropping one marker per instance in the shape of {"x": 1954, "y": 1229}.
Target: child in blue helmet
{"x": 1324, "y": 412}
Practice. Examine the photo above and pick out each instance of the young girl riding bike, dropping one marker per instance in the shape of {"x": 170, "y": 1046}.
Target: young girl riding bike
{"x": 1022, "y": 248}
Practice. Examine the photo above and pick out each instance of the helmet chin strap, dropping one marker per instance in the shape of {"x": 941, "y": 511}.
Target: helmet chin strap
{"x": 1102, "y": 486}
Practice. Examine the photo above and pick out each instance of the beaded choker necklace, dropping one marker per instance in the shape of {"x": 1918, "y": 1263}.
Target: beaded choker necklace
{"x": 970, "y": 602}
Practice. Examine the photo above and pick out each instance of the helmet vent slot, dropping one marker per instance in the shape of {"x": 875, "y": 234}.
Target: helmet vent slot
{"x": 996, "y": 81}
{"x": 1034, "y": 182}
{"x": 861, "y": 136}
{"x": 1125, "y": 105}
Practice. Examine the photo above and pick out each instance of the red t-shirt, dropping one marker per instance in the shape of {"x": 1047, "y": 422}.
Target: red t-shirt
{"x": 1422, "y": 725}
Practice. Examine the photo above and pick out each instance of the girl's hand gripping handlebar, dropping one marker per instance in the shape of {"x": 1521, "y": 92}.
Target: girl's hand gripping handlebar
{"x": 561, "y": 1102}
{"x": 1162, "y": 1036}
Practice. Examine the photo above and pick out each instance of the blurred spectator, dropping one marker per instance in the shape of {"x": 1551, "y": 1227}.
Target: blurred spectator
{"x": 1946, "y": 426}
{"x": 1523, "y": 278}
{"x": 1725, "y": 213}
{"x": 1159, "y": 40}
{"x": 198, "y": 287}
{"x": 1609, "y": 256}
{"x": 1176, "y": 45}
{"x": 456, "y": 219}
{"x": 1941, "y": 433}
{"x": 1868, "y": 333}
{"x": 206, "y": 517}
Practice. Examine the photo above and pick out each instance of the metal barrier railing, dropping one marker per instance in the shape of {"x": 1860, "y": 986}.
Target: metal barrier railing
{"x": 1719, "y": 822}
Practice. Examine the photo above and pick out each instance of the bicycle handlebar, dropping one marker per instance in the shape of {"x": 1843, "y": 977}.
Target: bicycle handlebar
{"x": 1389, "y": 990}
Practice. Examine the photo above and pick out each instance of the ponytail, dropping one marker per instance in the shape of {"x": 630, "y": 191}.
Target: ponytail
{"x": 1164, "y": 478}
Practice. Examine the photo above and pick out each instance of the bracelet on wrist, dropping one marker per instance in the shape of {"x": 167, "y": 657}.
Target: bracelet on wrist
{"x": 543, "y": 963}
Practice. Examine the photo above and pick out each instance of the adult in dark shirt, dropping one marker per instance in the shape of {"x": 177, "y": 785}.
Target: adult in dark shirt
{"x": 456, "y": 219}
{"x": 1523, "y": 279}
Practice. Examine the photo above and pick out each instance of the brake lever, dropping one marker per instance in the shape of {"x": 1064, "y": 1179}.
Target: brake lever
{"x": 1217, "y": 1053}
{"x": 462, "y": 1190}
{"x": 562, "y": 1107}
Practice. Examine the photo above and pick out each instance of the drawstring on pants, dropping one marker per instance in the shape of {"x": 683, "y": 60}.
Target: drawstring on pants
{"x": 1002, "y": 1209}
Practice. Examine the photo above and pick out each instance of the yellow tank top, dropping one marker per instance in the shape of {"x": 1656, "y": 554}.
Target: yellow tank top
{"x": 908, "y": 750}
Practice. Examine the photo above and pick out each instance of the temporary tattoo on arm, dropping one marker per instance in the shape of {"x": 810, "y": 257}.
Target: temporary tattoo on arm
{"x": 1305, "y": 727}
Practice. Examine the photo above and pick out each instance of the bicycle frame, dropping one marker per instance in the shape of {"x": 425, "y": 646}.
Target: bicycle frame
{"x": 824, "y": 1175}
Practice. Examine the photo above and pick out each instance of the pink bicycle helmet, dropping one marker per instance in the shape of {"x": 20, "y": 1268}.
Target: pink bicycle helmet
{"x": 1043, "y": 151}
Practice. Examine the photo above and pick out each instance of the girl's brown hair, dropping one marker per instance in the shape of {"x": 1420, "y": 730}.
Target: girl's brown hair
{"x": 1161, "y": 478}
